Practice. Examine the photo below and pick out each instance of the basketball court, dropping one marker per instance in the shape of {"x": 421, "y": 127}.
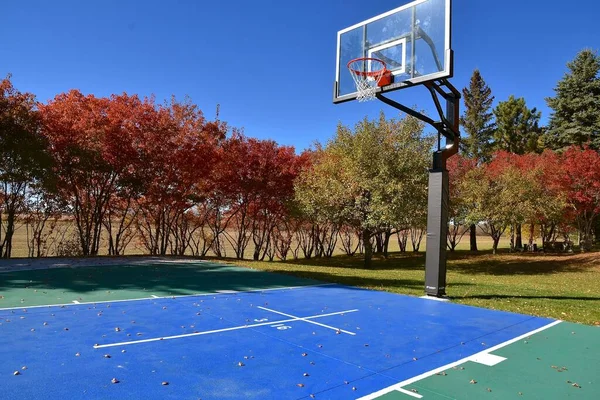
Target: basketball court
{"x": 131, "y": 329}
{"x": 155, "y": 328}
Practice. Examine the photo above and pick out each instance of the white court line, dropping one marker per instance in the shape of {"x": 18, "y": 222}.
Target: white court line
{"x": 164, "y": 297}
{"x": 100, "y": 346}
{"x": 408, "y": 392}
{"x": 427, "y": 374}
{"x": 310, "y": 322}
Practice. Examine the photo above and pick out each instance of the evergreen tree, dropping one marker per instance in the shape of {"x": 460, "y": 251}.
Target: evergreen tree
{"x": 478, "y": 119}
{"x": 518, "y": 128}
{"x": 576, "y": 107}
{"x": 478, "y": 123}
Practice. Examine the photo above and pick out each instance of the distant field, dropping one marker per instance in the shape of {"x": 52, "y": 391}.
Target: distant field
{"x": 20, "y": 248}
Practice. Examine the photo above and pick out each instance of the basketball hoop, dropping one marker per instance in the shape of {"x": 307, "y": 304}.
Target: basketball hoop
{"x": 367, "y": 74}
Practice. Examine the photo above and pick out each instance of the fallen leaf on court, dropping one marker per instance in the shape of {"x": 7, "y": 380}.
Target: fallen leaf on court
{"x": 165, "y": 383}
{"x": 77, "y": 354}
{"x": 414, "y": 358}
{"x": 575, "y": 385}
{"x": 23, "y": 368}
{"x": 353, "y": 387}
{"x": 123, "y": 351}
{"x": 107, "y": 356}
{"x": 114, "y": 380}
{"x": 241, "y": 364}
{"x": 300, "y": 384}
{"x": 16, "y": 373}
{"x": 312, "y": 396}
{"x": 442, "y": 373}
{"x": 117, "y": 329}
{"x": 304, "y": 354}
{"x": 488, "y": 389}
{"x": 472, "y": 381}
{"x": 414, "y": 390}
{"x": 45, "y": 323}
{"x": 305, "y": 374}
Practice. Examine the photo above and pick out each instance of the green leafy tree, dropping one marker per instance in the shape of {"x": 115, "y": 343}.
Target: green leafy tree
{"x": 371, "y": 178}
{"x": 518, "y": 130}
{"x": 576, "y": 106}
{"x": 478, "y": 124}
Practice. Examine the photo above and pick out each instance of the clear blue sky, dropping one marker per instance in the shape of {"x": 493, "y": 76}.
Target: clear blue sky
{"x": 270, "y": 64}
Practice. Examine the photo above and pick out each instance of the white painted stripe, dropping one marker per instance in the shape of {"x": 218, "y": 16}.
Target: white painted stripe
{"x": 488, "y": 359}
{"x": 100, "y": 346}
{"x": 165, "y": 297}
{"x": 408, "y": 392}
{"x": 310, "y": 322}
{"x": 427, "y": 374}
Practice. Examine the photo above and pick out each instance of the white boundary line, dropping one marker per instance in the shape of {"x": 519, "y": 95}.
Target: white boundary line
{"x": 100, "y": 346}
{"x": 164, "y": 297}
{"x": 427, "y": 374}
{"x": 310, "y": 322}
{"x": 408, "y": 392}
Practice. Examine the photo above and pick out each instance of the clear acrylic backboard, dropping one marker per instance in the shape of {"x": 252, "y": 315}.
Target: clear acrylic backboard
{"x": 413, "y": 40}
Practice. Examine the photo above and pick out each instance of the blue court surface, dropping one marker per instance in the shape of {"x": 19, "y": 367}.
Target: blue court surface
{"x": 322, "y": 341}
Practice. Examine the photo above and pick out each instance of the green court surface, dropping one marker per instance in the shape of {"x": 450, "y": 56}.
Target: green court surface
{"x": 132, "y": 281}
{"x": 558, "y": 363}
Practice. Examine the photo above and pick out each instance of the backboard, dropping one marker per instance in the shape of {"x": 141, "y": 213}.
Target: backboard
{"x": 413, "y": 40}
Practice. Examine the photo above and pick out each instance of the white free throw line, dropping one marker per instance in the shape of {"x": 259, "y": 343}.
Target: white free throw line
{"x": 100, "y": 346}
{"x": 164, "y": 297}
{"x": 310, "y": 322}
{"x": 427, "y": 374}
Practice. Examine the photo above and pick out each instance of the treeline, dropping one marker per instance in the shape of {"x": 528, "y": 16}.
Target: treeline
{"x": 82, "y": 173}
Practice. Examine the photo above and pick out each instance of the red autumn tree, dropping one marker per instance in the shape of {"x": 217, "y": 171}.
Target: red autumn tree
{"x": 179, "y": 158}
{"x": 582, "y": 181}
{"x": 24, "y": 159}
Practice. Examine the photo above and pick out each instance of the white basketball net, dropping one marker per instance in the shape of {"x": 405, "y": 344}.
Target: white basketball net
{"x": 366, "y": 72}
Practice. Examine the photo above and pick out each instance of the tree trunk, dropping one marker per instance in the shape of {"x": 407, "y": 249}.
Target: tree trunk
{"x": 386, "y": 243}
{"x": 495, "y": 245}
{"x": 531, "y": 234}
{"x": 519, "y": 238}
{"x": 473, "y": 237}
{"x": 366, "y": 234}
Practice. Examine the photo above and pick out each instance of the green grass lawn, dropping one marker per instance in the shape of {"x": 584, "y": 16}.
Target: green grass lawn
{"x": 562, "y": 286}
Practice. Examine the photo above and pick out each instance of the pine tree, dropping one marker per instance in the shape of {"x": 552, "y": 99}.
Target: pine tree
{"x": 478, "y": 123}
{"x": 478, "y": 119}
{"x": 576, "y": 106}
{"x": 518, "y": 128}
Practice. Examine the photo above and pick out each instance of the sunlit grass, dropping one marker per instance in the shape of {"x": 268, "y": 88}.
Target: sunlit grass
{"x": 558, "y": 286}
